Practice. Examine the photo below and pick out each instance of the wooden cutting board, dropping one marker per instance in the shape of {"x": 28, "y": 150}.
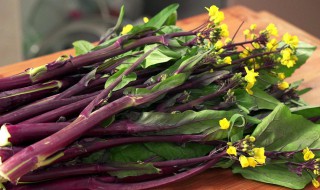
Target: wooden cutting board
{"x": 234, "y": 16}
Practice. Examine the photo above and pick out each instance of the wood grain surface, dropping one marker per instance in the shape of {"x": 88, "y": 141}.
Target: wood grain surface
{"x": 234, "y": 16}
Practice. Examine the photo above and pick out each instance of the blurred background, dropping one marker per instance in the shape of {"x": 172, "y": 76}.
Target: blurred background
{"x": 31, "y": 28}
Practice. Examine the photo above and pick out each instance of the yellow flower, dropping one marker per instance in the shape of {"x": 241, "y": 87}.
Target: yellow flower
{"x": 218, "y": 45}
{"x": 248, "y": 88}
{"x": 272, "y": 45}
{"x": 259, "y": 155}
{"x": 283, "y": 85}
{"x": 292, "y": 41}
{"x": 227, "y": 60}
{"x": 272, "y": 29}
{"x": 245, "y": 53}
{"x": 224, "y": 30}
{"x": 227, "y": 40}
{"x": 288, "y": 59}
{"x": 232, "y": 150}
{"x": 215, "y": 15}
{"x": 224, "y": 123}
{"x": 246, "y": 33}
{"x": 243, "y": 161}
{"x": 251, "y": 75}
{"x": 253, "y": 26}
{"x": 315, "y": 183}
{"x": 307, "y": 154}
{"x": 145, "y": 19}
{"x": 252, "y": 139}
{"x": 256, "y": 45}
{"x": 126, "y": 29}
{"x": 252, "y": 162}
{"x": 281, "y": 76}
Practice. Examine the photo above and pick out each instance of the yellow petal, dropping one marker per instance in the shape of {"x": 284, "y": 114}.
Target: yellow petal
{"x": 315, "y": 183}
{"x": 232, "y": 150}
{"x": 243, "y": 161}
{"x": 224, "y": 123}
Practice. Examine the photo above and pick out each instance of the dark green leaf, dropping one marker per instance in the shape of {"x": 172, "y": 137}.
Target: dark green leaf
{"x": 158, "y": 20}
{"x": 283, "y": 131}
{"x": 307, "y": 111}
{"x": 277, "y": 174}
{"x": 170, "y": 151}
{"x": 125, "y": 79}
{"x": 134, "y": 169}
{"x": 259, "y": 100}
{"x": 82, "y": 47}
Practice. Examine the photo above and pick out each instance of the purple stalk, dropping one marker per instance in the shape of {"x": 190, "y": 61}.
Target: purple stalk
{"x": 55, "y": 69}
{"x": 7, "y": 152}
{"x": 37, "y": 155}
{"x": 93, "y": 183}
{"x": 13, "y": 98}
{"x": 76, "y": 183}
{"x": 81, "y": 149}
{"x": 190, "y": 105}
{"x": 105, "y": 93}
{"x": 67, "y": 110}
{"x": 39, "y": 107}
{"x": 73, "y": 170}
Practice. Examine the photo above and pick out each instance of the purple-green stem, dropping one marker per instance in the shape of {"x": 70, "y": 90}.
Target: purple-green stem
{"x": 67, "y": 110}
{"x": 190, "y": 105}
{"x": 101, "y": 97}
{"x": 86, "y": 169}
{"x": 17, "y": 97}
{"x": 39, "y": 107}
{"x": 7, "y": 152}
{"x": 42, "y": 152}
{"x": 55, "y": 69}
{"x": 86, "y": 148}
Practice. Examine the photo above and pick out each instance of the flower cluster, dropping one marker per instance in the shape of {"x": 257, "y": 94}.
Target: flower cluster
{"x": 249, "y": 156}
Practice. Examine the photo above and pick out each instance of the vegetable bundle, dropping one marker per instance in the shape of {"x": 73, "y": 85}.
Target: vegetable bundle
{"x": 153, "y": 104}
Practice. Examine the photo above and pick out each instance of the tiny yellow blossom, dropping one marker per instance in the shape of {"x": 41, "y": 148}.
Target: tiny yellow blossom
{"x": 256, "y": 45}
{"x": 251, "y": 75}
{"x": 215, "y": 15}
{"x": 252, "y": 139}
{"x": 218, "y": 45}
{"x": 145, "y": 19}
{"x": 243, "y": 161}
{"x": 126, "y": 29}
{"x": 224, "y": 123}
{"x": 253, "y": 26}
{"x": 227, "y": 40}
{"x": 252, "y": 162}
{"x": 315, "y": 183}
{"x": 259, "y": 155}
{"x": 232, "y": 150}
{"x": 224, "y": 30}
{"x": 227, "y": 60}
{"x": 283, "y": 85}
{"x": 288, "y": 59}
{"x": 307, "y": 154}
{"x": 281, "y": 76}
{"x": 272, "y": 45}
{"x": 292, "y": 41}
{"x": 248, "y": 88}
{"x": 272, "y": 29}
{"x": 246, "y": 33}
{"x": 245, "y": 53}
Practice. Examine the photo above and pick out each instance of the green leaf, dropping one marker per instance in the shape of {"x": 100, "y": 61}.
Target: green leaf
{"x": 161, "y": 18}
{"x": 170, "y": 151}
{"x": 160, "y": 55}
{"x": 283, "y": 131}
{"x": 134, "y": 169}
{"x": 172, "y": 19}
{"x": 131, "y": 153}
{"x": 125, "y": 79}
{"x": 307, "y": 111}
{"x": 259, "y": 100}
{"x": 277, "y": 174}
{"x": 82, "y": 47}
{"x": 304, "y": 51}
{"x": 168, "y": 83}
